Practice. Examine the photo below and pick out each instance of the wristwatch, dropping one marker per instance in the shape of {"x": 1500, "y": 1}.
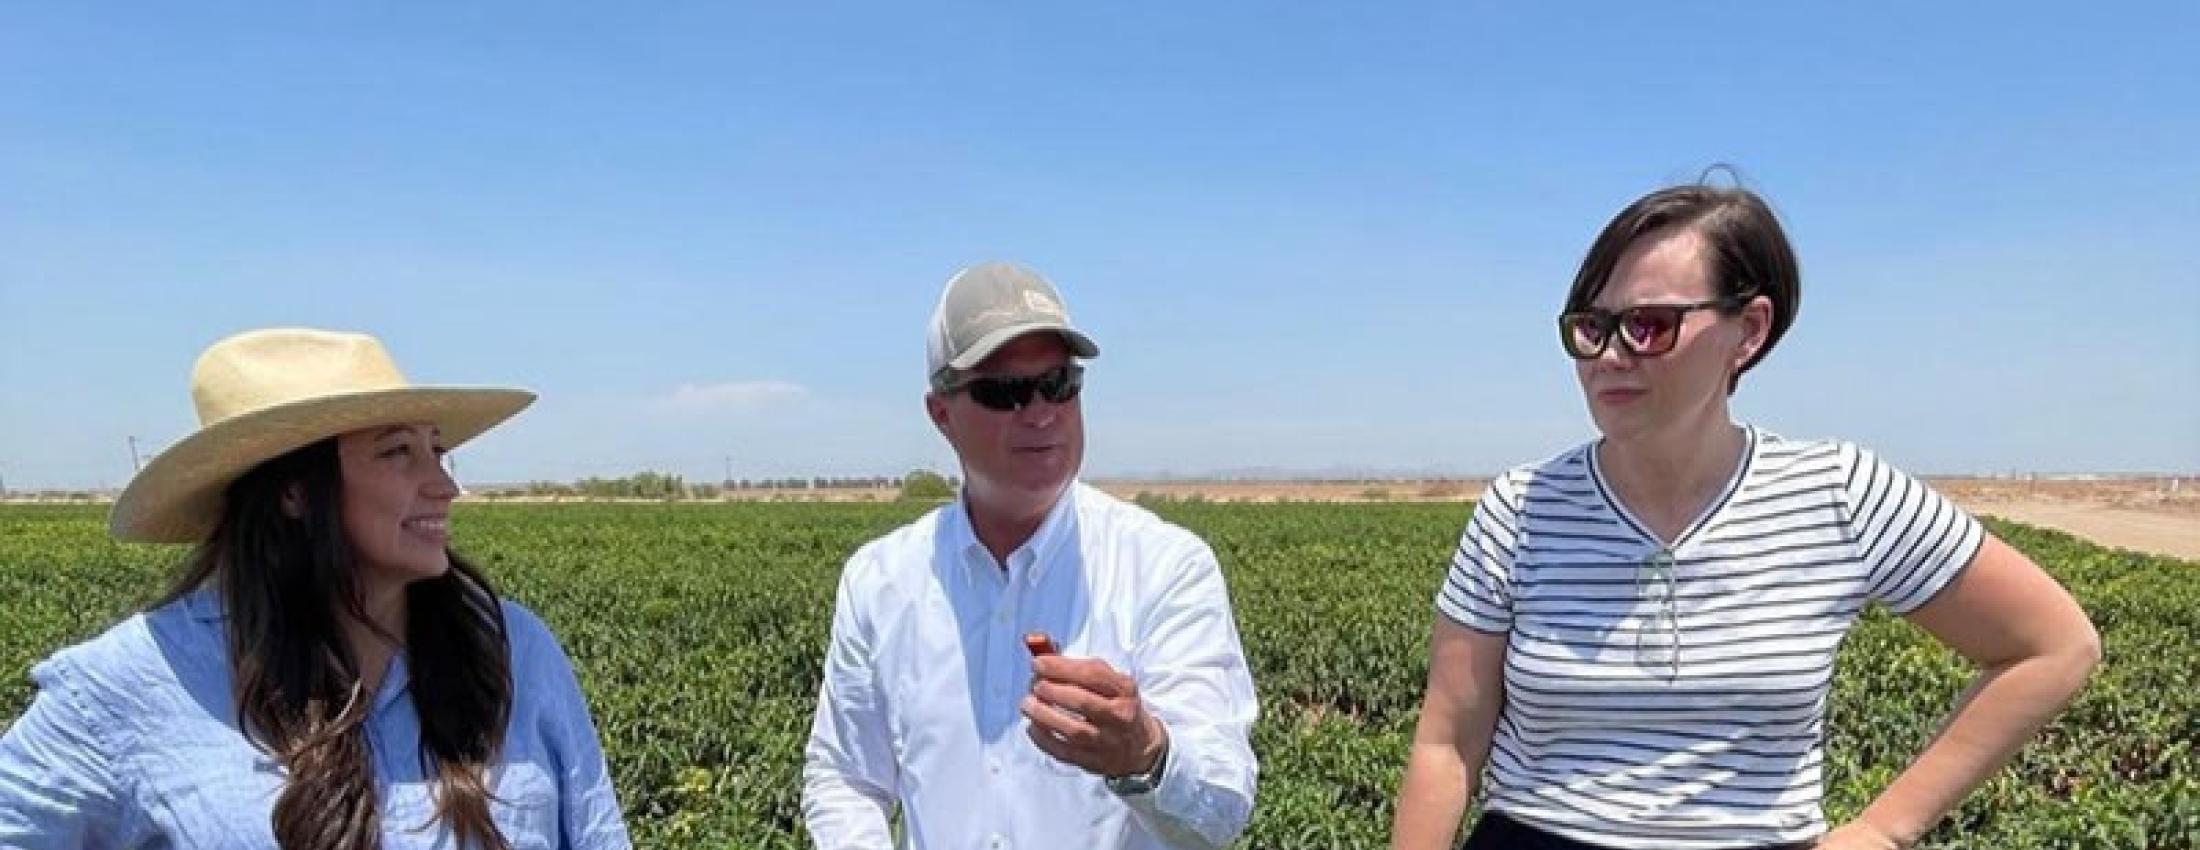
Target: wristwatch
{"x": 1141, "y": 783}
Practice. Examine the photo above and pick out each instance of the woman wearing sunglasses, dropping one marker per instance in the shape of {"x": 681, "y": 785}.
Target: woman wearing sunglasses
{"x": 1636, "y": 638}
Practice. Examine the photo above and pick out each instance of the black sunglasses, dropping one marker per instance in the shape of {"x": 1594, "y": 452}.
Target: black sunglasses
{"x": 1012, "y": 392}
{"x": 1644, "y": 330}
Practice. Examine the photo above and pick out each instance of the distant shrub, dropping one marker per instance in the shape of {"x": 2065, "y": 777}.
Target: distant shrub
{"x": 926, "y": 485}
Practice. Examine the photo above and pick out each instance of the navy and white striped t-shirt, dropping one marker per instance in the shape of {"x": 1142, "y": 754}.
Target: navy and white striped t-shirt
{"x": 1683, "y": 707}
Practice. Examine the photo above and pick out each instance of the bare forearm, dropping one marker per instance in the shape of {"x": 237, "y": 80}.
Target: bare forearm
{"x": 1431, "y": 799}
{"x": 1452, "y": 739}
{"x": 2001, "y": 710}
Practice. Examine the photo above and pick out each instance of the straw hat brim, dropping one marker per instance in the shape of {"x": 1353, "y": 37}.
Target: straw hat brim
{"x": 177, "y": 498}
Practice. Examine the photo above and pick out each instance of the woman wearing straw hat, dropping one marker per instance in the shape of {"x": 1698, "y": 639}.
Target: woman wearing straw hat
{"x": 325, "y": 673}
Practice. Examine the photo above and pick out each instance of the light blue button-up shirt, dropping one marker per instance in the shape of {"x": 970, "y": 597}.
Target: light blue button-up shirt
{"x": 133, "y": 742}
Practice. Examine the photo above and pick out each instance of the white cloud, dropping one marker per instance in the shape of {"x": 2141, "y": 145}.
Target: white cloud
{"x": 734, "y": 394}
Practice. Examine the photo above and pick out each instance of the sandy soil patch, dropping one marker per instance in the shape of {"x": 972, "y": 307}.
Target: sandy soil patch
{"x": 2138, "y": 530}
{"x": 2155, "y": 514}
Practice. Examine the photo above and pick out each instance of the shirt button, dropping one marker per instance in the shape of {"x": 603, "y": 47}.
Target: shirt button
{"x": 1000, "y": 616}
{"x": 997, "y": 843}
{"x": 993, "y": 767}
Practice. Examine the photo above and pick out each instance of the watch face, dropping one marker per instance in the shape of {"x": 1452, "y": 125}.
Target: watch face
{"x": 1140, "y": 783}
{"x": 1127, "y": 785}
{"x": 1137, "y": 783}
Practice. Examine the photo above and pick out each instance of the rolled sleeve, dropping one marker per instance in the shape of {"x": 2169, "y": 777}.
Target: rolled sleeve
{"x": 590, "y": 815}
{"x": 848, "y": 773}
{"x": 58, "y": 787}
{"x": 1193, "y": 676}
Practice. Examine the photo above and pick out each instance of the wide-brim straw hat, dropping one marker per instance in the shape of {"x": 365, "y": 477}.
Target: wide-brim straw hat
{"x": 260, "y": 395}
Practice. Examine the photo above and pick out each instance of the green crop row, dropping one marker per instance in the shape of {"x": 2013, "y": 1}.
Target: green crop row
{"x": 697, "y": 630}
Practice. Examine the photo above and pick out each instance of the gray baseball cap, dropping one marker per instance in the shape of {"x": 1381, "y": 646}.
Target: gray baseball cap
{"x": 989, "y": 304}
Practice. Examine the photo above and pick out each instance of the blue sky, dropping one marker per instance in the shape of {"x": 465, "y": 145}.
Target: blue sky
{"x": 1307, "y": 239}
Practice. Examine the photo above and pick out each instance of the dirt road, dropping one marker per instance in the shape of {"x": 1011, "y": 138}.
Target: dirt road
{"x": 2156, "y": 532}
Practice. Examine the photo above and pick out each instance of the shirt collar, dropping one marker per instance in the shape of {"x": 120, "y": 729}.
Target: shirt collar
{"x": 1060, "y": 525}
{"x": 204, "y": 604}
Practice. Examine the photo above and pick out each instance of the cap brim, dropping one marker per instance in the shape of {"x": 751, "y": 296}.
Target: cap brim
{"x": 1079, "y": 344}
{"x": 177, "y": 497}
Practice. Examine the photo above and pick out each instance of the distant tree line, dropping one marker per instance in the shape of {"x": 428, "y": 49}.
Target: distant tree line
{"x": 918, "y": 484}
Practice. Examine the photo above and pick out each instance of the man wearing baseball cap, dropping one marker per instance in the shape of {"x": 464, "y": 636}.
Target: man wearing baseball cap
{"x": 1035, "y": 664}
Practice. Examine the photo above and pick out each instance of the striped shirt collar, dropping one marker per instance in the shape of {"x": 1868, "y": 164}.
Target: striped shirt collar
{"x": 1733, "y": 485}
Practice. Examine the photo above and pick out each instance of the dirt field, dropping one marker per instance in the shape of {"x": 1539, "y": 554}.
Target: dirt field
{"x": 2146, "y": 514}
{"x": 1444, "y": 490}
{"x": 2141, "y": 514}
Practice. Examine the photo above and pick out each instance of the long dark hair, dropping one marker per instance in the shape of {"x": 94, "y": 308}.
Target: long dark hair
{"x": 285, "y": 576}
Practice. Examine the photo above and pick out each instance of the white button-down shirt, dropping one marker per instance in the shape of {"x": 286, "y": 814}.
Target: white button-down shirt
{"x": 920, "y": 700}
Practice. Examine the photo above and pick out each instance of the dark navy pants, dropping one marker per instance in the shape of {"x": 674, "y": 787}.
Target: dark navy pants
{"x": 1495, "y": 831}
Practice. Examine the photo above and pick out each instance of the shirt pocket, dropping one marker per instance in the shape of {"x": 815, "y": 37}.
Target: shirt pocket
{"x": 525, "y": 806}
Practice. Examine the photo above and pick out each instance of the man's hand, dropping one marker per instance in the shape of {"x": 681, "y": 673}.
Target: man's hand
{"x": 1088, "y": 714}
